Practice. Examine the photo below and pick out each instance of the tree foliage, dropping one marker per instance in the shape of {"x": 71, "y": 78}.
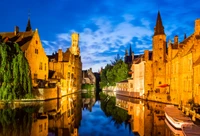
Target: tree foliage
{"x": 114, "y": 73}
{"x": 15, "y": 81}
{"x": 17, "y": 121}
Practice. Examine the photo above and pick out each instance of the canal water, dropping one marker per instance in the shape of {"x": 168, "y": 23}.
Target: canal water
{"x": 84, "y": 114}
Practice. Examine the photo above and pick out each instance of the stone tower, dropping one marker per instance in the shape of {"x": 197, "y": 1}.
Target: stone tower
{"x": 75, "y": 44}
{"x": 159, "y": 54}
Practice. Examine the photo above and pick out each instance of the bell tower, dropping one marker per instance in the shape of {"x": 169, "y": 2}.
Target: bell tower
{"x": 159, "y": 53}
{"x": 75, "y": 44}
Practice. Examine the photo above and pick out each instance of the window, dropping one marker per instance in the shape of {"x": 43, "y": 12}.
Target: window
{"x": 40, "y": 128}
{"x": 36, "y": 51}
{"x": 45, "y": 77}
{"x": 45, "y": 126}
{"x": 40, "y": 66}
{"x": 36, "y": 42}
{"x": 159, "y": 68}
{"x": 160, "y": 82}
{"x": 131, "y": 85}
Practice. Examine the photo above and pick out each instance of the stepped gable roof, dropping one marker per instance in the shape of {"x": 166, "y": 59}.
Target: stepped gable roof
{"x": 186, "y": 40}
{"x": 23, "y": 39}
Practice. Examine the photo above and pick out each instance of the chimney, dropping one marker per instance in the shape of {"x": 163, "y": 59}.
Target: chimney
{"x": 197, "y": 27}
{"x": 146, "y": 55}
{"x": 16, "y": 31}
{"x": 60, "y": 55}
{"x": 176, "y": 39}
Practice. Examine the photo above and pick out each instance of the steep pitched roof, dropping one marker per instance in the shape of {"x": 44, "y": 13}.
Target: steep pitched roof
{"x": 21, "y": 38}
{"x": 159, "y": 29}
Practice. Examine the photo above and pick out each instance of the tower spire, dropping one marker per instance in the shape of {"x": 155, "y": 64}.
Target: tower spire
{"x": 28, "y": 26}
{"x": 159, "y": 29}
{"x": 130, "y": 51}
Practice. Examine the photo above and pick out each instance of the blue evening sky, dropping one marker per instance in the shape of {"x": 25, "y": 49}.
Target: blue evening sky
{"x": 106, "y": 27}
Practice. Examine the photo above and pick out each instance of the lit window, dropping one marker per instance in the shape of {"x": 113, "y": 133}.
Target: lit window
{"x": 36, "y": 51}
{"x": 40, "y": 128}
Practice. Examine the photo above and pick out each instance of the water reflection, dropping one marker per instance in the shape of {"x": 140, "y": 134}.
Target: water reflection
{"x": 54, "y": 117}
{"x": 147, "y": 118}
{"x": 81, "y": 114}
{"x": 88, "y": 100}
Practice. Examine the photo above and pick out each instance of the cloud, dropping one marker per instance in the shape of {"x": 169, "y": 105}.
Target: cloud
{"x": 100, "y": 46}
{"x": 108, "y": 29}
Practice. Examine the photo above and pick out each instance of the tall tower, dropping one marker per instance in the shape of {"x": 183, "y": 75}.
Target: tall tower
{"x": 75, "y": 44}
{"x": 159, "y": 53}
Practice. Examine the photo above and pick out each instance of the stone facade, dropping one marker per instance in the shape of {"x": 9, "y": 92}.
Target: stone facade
{"x": 66, "y": 67}
{"x": 171, "y": 71}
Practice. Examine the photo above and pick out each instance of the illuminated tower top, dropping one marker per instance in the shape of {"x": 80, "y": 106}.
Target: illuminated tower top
{"x": 75, "y": 44}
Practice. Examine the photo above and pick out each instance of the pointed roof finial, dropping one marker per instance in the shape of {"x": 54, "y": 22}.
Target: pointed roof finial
{"x": 185, "y": 36}
{"x": 130, "y": 51}
{"x": 159, "y": 29}
{"x": 28, "y": 26}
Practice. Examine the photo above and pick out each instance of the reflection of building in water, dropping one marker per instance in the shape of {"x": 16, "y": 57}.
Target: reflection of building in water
{"x": 39, "y": 125}
{"x": 147, "y": 118}
{"x": 88, "y": 100}
{"x": 64, "y": 115}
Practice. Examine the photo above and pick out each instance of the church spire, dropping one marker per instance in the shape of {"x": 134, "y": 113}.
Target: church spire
{"x": 159, "y": 29}
{"x": 28, "y": 26}
{"x": 130, "y": 51}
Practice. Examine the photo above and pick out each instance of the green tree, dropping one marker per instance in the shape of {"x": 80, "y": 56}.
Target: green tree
{"x": 117, "y": 71}
{"x": 15, "y": 78}
{"x": 103, "y": 76}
